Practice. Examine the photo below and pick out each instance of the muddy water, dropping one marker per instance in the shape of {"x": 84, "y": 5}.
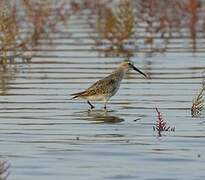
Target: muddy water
{"x": 46, "y": 135}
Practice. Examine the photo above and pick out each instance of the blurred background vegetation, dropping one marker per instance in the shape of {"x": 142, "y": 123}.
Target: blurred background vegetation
{"x": 123, "y": 27}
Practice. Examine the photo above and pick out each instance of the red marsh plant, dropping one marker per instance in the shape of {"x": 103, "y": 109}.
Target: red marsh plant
{"x": 115, "y": 27}
{"x": 8, "y": 29}
{"x": 192, "y": 7}
{"x": 161, "y": 124}
{"x": 37, "y": 13}
{"x": 4, "y": 167}
{"x": 165, "y": 20}
{"x": 40, "y": 17}
{"x": 160, "y": 19}
{"x": 43, "y": 16}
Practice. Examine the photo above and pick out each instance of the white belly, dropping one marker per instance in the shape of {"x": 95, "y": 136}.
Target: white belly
{"x": 96, "y": 98}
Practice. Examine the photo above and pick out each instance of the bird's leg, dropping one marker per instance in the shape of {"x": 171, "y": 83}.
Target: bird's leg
{"x": 91, "y": 106}
{"x": 105, "y": 107}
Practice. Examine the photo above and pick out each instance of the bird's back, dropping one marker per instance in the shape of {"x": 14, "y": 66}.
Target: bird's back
{"x": 107, "y": 86}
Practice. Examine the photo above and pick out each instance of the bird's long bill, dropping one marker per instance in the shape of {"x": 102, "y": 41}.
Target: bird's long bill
{"x": 136, "y": 69}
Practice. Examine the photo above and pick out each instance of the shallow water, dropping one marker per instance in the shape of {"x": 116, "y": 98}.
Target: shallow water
{"x": 46, "y": 135}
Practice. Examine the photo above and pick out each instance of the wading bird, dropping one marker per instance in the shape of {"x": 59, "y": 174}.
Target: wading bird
{"x": 107, "y": 87}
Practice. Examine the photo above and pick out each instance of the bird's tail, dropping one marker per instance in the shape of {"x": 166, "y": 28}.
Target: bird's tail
{"x": 76, "y": 95}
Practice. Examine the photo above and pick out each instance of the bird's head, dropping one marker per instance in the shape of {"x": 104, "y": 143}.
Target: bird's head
{"x": 129, "y": 65}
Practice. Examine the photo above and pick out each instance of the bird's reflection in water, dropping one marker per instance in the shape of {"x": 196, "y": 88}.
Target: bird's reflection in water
{"x": 102, "y": 116}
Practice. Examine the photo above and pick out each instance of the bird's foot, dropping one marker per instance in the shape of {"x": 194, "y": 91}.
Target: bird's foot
{"x": 91, "y": 106}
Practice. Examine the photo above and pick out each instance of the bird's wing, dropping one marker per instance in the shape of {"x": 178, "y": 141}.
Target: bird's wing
{"x": 104, "y": 86}
{"x": 107, "y": 85}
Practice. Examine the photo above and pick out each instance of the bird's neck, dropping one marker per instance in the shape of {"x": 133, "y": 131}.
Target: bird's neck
{"x": 119, "y": 72}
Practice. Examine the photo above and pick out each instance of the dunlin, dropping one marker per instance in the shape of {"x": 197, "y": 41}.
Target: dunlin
{"x": 107, "y": 87}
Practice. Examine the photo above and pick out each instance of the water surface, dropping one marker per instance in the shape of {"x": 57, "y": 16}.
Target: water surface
{"x": 46, "y": 135}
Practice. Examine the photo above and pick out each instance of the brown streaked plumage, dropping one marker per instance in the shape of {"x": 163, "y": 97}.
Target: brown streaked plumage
{"x": 107, "y": 87}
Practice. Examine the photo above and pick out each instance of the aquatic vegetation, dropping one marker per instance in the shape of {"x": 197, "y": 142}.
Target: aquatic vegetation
{"x": 119, "y": 25}
{"x": 192, "y": 8}
{"x": 7, "y": 74}
{"x": 161, "y": 22}
{"x": 4, "y": 167}
{"x": 115, "y": 28}
{"x": 43, "y": 16}
{"x": 161, "y": 124}
{"x": 198, "y": 103}
{"x": 8, "y": 30}
{"x": 37, "y": 18}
